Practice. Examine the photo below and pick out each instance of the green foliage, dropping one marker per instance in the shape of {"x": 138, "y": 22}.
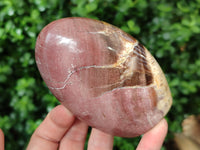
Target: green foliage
{"x": 169, "y": 29}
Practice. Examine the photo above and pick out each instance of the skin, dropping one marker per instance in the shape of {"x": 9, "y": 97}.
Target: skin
{"x": 61, "y": 130}
{"x": 1, "y": 140}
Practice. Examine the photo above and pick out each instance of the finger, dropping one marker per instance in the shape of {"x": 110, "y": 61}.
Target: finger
{"x": 1, "y": 140}
{"x": 99, "y": 140}
{"x": 153, "y": 139}
{"x": 52, "y": 129}
{"x": 75, "y": 137}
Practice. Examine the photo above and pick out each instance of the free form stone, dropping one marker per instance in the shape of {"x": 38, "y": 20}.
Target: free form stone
{"x": 102, "y": 75}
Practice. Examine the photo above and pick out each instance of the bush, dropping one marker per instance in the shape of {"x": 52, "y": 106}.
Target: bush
{"x": 169, "y": 29}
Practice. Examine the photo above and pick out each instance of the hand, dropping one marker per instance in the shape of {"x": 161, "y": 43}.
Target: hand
{"x": 62, "y": 130}
{"x": 1, "y": 140}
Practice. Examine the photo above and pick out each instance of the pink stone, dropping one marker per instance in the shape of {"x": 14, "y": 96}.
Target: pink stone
{"x": 103, "y": 76}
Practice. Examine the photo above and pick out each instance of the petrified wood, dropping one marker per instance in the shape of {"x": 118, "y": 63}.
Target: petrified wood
{"x": 103, "y": 75}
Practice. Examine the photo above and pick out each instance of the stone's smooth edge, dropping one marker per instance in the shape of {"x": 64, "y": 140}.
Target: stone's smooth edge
{"x": 124, "y": 115}
{"x": 159, "y": 83}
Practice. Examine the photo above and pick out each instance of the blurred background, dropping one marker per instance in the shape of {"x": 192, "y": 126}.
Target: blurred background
{"x": 169, "y": 29}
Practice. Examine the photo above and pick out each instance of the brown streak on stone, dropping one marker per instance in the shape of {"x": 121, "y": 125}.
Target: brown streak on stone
{"x": 153, "y": 96}
{"x": 143, "y": 66}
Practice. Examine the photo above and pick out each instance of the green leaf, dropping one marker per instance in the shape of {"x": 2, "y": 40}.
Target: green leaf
{"x": 91, "y": 7}
{"x": 183, "y": 7}
{"x": 133, "y": 27}
{"x": 164, "y": 8}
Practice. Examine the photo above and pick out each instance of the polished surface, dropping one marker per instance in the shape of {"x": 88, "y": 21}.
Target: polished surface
{"x": 103, "y": 75}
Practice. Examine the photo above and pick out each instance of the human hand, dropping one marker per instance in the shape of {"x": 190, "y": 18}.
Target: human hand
{"x": 61, "y": 130}
{"x": 1, "y": 140}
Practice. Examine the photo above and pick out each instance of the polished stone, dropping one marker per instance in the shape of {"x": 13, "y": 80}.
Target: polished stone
{"x": 103, "y": 75}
